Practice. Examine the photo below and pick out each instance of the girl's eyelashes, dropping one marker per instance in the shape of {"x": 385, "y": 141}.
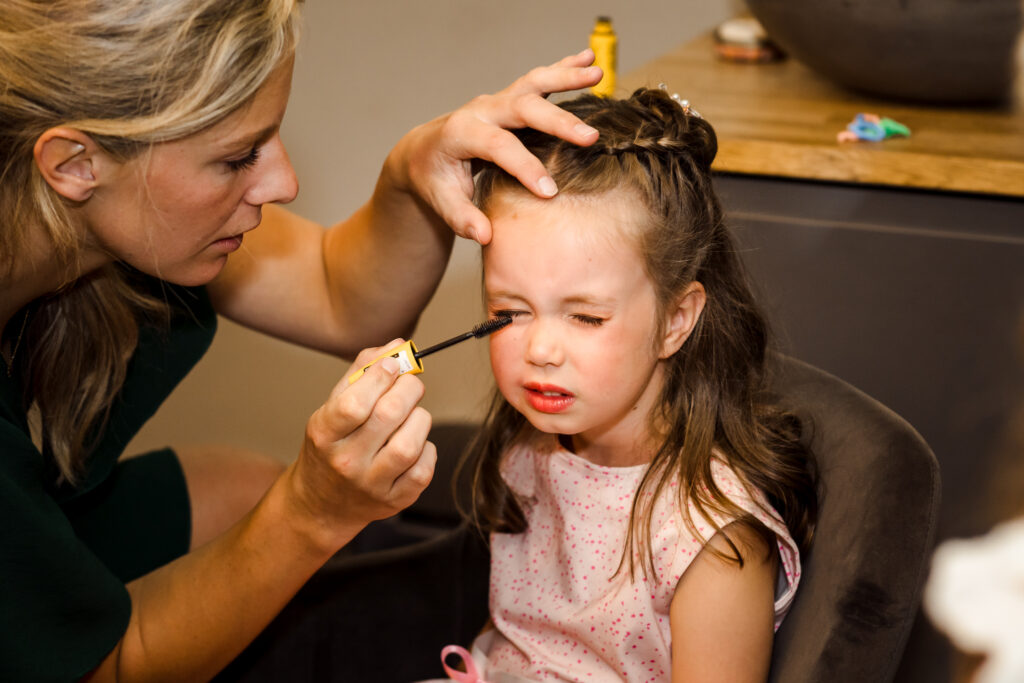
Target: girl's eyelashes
{"x": 582, "y": 318}
{"x": 506, "y": 314}
{"x": 588, "y": 319}
{"x": 248, "y": 161}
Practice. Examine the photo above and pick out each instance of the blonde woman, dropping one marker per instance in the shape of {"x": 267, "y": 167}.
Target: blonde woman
{"x": 139, "y": 149}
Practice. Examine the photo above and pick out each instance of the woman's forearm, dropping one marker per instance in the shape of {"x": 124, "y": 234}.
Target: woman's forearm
{"x": 191, "y": 617}
{"x": 384, "y": 263}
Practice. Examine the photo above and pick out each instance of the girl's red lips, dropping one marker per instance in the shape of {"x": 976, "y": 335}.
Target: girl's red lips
{"x": 548, "y": 398}
{"x": 547, "y": 389}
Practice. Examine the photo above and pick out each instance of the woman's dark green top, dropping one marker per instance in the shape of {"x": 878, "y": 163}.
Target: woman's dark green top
{"x": 66, "y": 553}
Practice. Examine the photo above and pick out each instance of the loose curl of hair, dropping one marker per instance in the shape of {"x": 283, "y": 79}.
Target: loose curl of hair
{"x": 131, "y": 74}
{"x": 715, "y": 398}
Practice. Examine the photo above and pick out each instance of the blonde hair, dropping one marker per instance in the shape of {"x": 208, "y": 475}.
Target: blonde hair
{"x": 130, "y": 73}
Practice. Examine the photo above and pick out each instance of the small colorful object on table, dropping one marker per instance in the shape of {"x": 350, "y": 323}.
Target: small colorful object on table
{"x": 873, "y": 128}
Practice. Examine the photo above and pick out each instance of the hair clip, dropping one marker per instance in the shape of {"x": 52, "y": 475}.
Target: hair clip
{"x": 685, "y": 104}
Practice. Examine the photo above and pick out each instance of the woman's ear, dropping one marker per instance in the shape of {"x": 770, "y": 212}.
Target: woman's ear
{"x": 682, "y": 318}
{"x": 66, "y": 157}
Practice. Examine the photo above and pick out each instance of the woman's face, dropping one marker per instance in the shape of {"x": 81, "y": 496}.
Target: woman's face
{"x": 581, "y": 357}
{"x": 179, "y": 211}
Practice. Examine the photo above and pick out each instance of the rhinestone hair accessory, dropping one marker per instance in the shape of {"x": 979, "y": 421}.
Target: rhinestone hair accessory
{"x": 685, "y": 104}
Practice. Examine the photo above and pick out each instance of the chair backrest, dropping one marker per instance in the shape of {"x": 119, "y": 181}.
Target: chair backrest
{"x": 861, "y": 583}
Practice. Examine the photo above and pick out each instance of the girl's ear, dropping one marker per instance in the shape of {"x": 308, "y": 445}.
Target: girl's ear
{"x": 67, "y": 159}
{"x": 682, "y": 318}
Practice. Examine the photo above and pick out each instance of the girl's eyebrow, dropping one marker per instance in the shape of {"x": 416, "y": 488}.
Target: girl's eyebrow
{"x": 584, "y": 299}
{"x": 572, "y": 300}
{"x": 504, "y": 294}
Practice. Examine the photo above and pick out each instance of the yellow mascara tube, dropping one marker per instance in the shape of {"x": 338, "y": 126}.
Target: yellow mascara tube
{"x": 408, "y": 356}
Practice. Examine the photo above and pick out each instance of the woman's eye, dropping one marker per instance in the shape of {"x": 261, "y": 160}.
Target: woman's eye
{"x": 248, "y": 161}
{"x": 588, "y": 319}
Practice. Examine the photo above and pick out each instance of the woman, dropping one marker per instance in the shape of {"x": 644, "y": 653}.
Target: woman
{"x": 139, "y": 151}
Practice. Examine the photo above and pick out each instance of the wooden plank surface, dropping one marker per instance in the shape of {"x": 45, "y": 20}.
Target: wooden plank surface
{"x": 781, "y": 119}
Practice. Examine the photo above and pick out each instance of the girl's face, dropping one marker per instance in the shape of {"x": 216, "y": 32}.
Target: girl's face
{"x": 581, "y": 357}
{"x": 178, "y": 212}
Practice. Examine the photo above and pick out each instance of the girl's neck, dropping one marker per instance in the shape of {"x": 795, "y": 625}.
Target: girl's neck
{"x": 603, "y": 454}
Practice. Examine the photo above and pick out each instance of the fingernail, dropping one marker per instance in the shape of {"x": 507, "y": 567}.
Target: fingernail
{"x": 583, "y": 130}
{"x": 547, "y": 186}
{"x": 390, "y": 365}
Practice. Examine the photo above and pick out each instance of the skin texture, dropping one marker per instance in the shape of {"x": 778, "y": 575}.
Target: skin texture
{"x": 178, "y": 212}
{"x": 722, "y": 616}
{"x": 586, "y": 330}
{"x": 585, "y": 319}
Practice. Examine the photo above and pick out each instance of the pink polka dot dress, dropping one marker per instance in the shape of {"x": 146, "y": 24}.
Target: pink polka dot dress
{"x": 561, "y": 611}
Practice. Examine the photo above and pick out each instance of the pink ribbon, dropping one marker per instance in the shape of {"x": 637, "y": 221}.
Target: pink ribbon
{"x": 471, "y": 674}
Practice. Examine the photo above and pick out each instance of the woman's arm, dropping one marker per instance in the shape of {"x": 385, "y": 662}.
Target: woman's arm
{"x": 368, "y": 278}
{"x": 364, "y": 457}
{"x": 722, "y": 616}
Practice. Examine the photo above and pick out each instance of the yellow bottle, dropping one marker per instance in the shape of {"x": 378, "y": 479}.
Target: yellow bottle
{"x": 605, "y": 46}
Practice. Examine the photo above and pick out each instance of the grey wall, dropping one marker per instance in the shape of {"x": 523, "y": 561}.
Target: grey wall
{"x": 366, "y": 73}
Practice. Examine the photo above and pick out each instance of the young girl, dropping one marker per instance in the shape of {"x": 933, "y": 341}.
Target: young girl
{"x": 646, "y": 501}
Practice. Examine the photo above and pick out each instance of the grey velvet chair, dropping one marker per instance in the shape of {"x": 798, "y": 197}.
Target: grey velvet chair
{"x": 424, "y": 585}
{"x": 862, "y": 580}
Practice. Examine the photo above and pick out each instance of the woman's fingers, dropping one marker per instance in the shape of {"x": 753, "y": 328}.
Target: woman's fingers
{"x": 366, "y": 455}
{"x": 405, "y": 464}
{"x": 452, "y": 201}
{"x": 567, "y": 74}
{"x": 483, "y": 140}
{"x": 437, "y": 163}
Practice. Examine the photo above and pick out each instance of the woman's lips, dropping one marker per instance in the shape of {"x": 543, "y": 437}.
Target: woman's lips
{"x": 229, "y": 244}
{"x": 547, "y": 398}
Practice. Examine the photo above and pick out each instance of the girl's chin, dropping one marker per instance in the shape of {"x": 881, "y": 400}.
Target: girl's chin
{"x": 549, "y": 425}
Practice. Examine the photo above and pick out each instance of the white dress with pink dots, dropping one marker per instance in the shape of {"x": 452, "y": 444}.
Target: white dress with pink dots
{"x": 560, "y": 610}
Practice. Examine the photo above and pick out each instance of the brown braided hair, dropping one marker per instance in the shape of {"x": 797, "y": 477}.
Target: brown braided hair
{"x": 715, "y": 398}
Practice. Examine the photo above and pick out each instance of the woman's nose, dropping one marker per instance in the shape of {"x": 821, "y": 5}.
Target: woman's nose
{"x": 277, "y": 182}
{"x": 543, "y": 346}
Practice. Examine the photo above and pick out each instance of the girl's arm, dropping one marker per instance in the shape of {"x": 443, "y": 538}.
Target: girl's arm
{"x": 722, "y": 616}
{"x": 368, "y": 278}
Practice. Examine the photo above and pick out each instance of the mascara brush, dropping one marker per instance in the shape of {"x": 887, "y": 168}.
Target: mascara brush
{"x": 408, "y": 356}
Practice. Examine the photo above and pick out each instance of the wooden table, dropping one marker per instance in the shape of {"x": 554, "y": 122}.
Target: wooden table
{"x": 781, "y": 119}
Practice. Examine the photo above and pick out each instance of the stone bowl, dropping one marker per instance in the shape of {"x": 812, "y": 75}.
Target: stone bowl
{"x": 936, "y": 51}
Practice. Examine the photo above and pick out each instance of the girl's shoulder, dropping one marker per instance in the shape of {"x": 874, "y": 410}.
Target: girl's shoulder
{"x": 731, "y": 489}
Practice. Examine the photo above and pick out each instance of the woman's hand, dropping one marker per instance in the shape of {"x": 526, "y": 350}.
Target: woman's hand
{"x": 433, "y": 160}
{"x": 365, "y": 455}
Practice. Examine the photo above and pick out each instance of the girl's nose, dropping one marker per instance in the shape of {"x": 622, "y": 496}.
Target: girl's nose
{"x": 277, "y": 182}
{"x": 543, "y": 346}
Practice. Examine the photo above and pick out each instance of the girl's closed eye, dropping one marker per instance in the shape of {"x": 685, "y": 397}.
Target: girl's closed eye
{"x": 246, "y": 162}
{"x": 584, "y": 319}
{"x": 507, "y": 313}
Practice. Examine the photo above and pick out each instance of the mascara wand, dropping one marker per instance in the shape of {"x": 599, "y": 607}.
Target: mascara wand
{"x": 481, "y": 330}
{"x": 408, "y": 356}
